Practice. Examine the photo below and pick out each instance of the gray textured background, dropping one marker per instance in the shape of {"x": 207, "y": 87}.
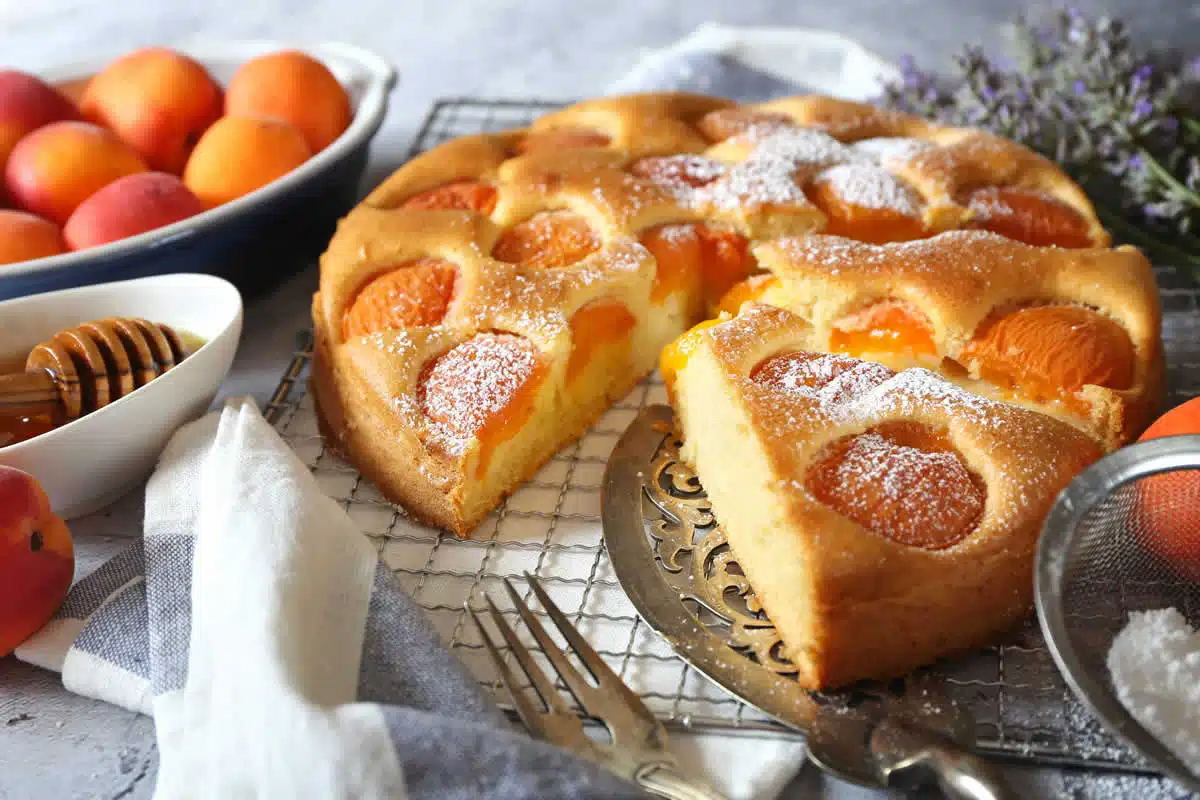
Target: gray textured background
{"x": 56, "y": 745}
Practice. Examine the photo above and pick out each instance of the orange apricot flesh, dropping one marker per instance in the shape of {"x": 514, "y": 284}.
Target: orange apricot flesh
{"x": 1049, "y": 352}
{"x": 903, "y": 481}
{"x": 1028, "y": 216}
{"x": 885, "y": 327}
{"x": 416, "y": 294}
{"x": 458, "y": 195}
{"x": 484, "y": 388}
{"x": 548, "y": 239}
{"x": 596, "y": 325}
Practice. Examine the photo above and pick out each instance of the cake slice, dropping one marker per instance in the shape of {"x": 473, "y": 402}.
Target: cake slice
{"x": 884, "y": 519}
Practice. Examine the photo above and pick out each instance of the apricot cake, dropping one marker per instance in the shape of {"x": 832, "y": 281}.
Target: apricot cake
{"x": 1072, "y": 333}
{"x": 884, "y": 518}
{"x": 491, "y": 298}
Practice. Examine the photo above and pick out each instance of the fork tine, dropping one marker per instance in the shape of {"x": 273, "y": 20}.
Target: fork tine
{"x": 537, "y": 676}
{"x": 583, "y": 691}
{"x": 531, "y": 717}
{"x": 608, "y": 680}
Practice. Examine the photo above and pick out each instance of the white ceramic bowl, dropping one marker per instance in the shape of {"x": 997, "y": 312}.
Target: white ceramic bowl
{"x": 86, "y": 464}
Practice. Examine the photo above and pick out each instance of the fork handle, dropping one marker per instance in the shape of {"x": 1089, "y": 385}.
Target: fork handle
{"x": 664, "y": 780}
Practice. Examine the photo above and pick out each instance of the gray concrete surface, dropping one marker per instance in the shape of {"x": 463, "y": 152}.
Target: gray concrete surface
{"x": 57, "y": 745}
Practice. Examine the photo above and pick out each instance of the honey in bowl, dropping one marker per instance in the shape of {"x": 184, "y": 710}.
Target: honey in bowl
{"x": 40, "y": 398}
{"x": 20, "y": 427}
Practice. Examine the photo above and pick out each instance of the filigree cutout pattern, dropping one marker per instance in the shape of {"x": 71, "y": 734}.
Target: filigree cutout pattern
{"x": 691, "y": 548}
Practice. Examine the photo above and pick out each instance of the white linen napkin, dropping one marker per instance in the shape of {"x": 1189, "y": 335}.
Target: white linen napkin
{"x": 276, "y": 652}
{"x": 754, "y": 64}
{"x": 272, "y": 658}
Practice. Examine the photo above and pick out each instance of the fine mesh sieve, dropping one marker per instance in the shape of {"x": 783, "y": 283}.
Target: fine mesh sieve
{"x": 1117, "y": 541}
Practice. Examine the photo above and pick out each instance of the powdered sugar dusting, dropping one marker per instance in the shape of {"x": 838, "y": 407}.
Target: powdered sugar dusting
{"x": 826, "y": 378}
{"x": 463, "y": 389}
{"x": 1155, "y": 667}
{"x": 772, "y": 173}
{"x": 896, "y": 149}
{"x": 679, "y": 174}
{"x": 870, "y": 186}
{"x": 848, "y": 389}
{"x": 929, "y": 495}
{"x": 784, "y": 158}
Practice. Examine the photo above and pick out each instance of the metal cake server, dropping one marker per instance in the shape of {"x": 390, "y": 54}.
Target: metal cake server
{"x": 862, "y": 744}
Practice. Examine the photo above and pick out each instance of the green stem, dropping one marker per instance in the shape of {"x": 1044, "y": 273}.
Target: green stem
{"x": 1167, "y": 254}
{"x": 1193, "y": 126}
{"x": 1166, "y": 177}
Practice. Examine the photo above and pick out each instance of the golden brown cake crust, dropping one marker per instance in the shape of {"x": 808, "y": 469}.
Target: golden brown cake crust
{"x": 849, "y": 603}
{"x": 959, "y": 278}
{"x": 754, "y": 186}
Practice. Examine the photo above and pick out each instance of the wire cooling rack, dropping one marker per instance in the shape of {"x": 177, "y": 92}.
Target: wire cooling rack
{"x": 550, "y": 527}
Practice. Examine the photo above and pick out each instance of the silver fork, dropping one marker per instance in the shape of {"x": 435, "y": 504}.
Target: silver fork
{"x": 638, "y": 751}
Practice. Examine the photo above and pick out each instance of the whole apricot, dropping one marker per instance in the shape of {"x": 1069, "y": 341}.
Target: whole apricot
{"x": 240, "y": 154}
{"x": 24, "y": 237}
{"x": 129, "y": 206}
{"x": 158, "y": 101}
{"x": 37, "y": 558}
{"x": 1167, "y": 514}
{"x": 26, "y": 104}
{"x": 293, "y": 87}
{"x": 58, "y": 166}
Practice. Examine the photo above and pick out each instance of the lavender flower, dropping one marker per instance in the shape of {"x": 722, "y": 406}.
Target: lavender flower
{"x": 1121, "y": 122}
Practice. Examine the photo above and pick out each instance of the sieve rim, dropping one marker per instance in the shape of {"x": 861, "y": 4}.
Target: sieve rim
{"x": 1059, "y": 530}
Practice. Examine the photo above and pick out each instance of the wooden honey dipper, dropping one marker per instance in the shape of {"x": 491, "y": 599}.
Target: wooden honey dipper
{"x": 87, "y": 367}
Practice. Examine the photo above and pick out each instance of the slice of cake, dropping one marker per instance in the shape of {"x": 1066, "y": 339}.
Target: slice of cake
{"x": 884, "y": 519}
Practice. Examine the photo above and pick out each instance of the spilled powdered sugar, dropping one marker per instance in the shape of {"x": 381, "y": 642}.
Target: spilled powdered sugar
{"x": 1154, "y": 663}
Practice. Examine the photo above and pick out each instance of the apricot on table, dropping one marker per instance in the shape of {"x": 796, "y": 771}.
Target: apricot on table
{"x": 157, "y": 101}
{"x": 293, "y": 87}
{"x": 37, "y": 558}
{"x": 1167, "y": 514}
{"x": 54, "y": 169}
{"x": 26, "y": 104}
{"x": 238, "y": 155}
{"x": 24, "y": 237}
{"x": 129, "y": 206}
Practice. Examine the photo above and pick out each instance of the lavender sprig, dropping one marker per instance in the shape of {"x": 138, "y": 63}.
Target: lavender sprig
{"x": 1121, "y": 122}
